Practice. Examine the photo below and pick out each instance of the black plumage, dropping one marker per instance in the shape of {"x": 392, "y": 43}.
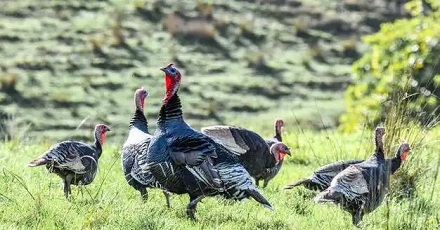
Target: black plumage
{"x": 75, "y": 162}
{"x": 185, "y": 161}
{"x": 259, "y": 159}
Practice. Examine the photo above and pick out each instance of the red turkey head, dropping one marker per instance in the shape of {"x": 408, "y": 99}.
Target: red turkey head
{"x": 404, "y": 151}
{"x": 172, "y": 81}
{"x": 279, "y": 124}
{"x": 279, "y": 151}
{"x": 139, "y": 98}
{"x": 100, "y": 132}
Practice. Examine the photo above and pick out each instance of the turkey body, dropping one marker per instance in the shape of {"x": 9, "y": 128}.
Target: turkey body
{"x": 361, "y": 188}
{"x": 251, "y": 149}
{"x": 185, "y": 161}
{"x": 75, "y": 162}
{"x": 228, "y": 177}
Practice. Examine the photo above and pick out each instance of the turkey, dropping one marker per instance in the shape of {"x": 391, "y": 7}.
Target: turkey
{"x": 186, "y": 161}
{"x": 279, "y": 124}
{"x": 321, "y": 178}
{"x": 260, "y": 160}
{"x": 137, "y": 143}
{"x": 361, "y": 188}
{"x": 75, "y": 162}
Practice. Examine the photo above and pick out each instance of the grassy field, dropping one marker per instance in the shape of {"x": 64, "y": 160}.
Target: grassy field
{"x": 66, "y": 65}
{"x": 30, "y": 198}
{"x": 244, "y": 62}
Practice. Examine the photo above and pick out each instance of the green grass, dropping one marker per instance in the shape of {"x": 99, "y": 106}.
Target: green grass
{"x": 30, "y": 198}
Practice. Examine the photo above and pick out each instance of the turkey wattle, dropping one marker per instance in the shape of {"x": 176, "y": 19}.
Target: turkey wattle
{"x": 260, "y": 160}
{"x": 361, "y": 188}
{"x": 75, "y": 162}
{"x": 137, "y": 144}
{"x": 186, "y": 161}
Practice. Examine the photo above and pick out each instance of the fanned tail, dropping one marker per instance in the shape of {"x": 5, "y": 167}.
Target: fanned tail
{"x": 37, "y": 162}
{"x": 298, "y": 183}
{"x": 259, "y": 198}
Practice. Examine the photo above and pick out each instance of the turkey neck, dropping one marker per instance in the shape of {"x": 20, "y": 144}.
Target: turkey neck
{"x": 396, "y": 162}
{"x": 379, "y": 147}
{"x": 170, "y": 111}
{"x": 278, "y": 134}
{"x": 139, "y": 121}
{"x": 98, "y": 145}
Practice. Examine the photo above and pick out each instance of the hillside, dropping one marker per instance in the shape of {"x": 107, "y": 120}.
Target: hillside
{"x": 65, "y": 64}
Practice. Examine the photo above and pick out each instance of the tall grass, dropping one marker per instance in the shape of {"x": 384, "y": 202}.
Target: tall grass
{"x": 421, "y": 169}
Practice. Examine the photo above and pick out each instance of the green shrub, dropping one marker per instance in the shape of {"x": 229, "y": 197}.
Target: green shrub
{"x": 403, "y": 53}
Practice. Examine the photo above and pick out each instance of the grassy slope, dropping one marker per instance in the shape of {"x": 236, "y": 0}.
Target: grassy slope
{"x": 65, "y": 61}
{"x": 30, "y": 198}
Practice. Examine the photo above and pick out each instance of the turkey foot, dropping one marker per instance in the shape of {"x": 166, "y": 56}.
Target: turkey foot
{"x": 144, "y": 194}
{"x": 167, "y": 198}
{"x": 191, "y": 208}
{"x": 67, "y": 190}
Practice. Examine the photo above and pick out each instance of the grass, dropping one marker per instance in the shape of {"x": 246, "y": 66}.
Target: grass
{"x": 30, "y": 198}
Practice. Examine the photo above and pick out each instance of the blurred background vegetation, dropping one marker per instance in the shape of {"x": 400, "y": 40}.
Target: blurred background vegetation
{"x": 66, "y": 65}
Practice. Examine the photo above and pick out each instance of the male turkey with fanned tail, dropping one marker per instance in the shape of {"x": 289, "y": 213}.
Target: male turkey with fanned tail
{"x": 75, "y": 162}
{"x": 361, "y": 188}
{"x": 186, "y": 161}
{"x": 260, "y": 160}
{"x": 137, "y": 144}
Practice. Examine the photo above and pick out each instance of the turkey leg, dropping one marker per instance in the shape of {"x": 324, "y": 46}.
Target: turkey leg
{"x": 191, "y": 208}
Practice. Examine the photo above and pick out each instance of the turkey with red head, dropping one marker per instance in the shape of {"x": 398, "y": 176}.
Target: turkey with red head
{"x": 136, "y": 144}
{"x": 260, "y": 160}
{"x": 186, "y": 161}
{"x": 270, "y": 174}
{"x": 75, "y": 162}
{"x": 361, "y": 188}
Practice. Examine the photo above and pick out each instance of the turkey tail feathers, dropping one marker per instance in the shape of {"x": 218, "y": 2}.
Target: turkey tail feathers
{"x": 37, "y": 162}
{"x": 297, "y": 183}
{"x": 259, "y": 198}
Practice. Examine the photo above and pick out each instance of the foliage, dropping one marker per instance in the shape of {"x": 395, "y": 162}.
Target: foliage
{"x": 405, "y": 52}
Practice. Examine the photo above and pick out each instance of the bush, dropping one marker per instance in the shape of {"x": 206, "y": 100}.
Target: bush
{"x": 405, "y": 52}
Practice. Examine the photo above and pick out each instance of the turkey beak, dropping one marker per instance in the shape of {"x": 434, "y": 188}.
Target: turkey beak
{"x": 107, "y": 129}
{"x": 287, "y": 151}
{"x": 164, "y": 69}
